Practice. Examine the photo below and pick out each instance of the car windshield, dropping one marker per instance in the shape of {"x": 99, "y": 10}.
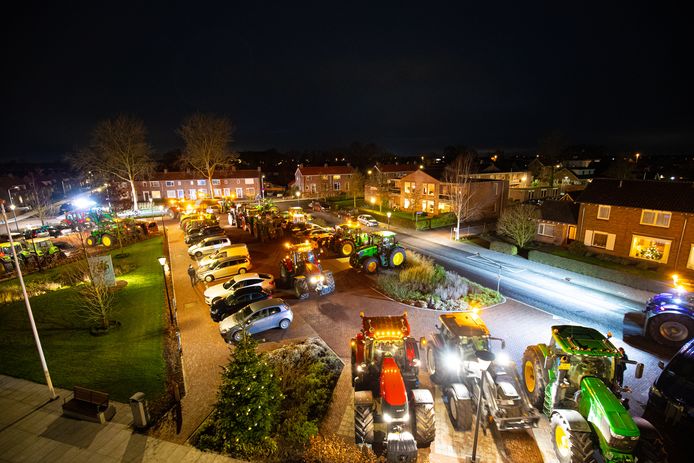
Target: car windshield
{"x": 247, "y": 312}
{"x": 228, "y": 284}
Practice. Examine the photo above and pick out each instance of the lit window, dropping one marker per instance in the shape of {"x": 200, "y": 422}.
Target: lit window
{"x": 647, "y": 248}
{"x": 690, "y": 262}
{"x": 546, "y": 229}
{"x": 599, "y": 240}
{"x": 655, "y": 218}
{"x": 604, "y": 212}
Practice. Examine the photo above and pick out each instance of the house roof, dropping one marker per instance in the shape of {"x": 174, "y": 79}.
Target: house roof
{"x": 390, "y": 168}
{"x": 325, "y": 170}
{"x": 245, "y": 173}
{"x": 642, "y": 194}
{"x": 559, "y": 211}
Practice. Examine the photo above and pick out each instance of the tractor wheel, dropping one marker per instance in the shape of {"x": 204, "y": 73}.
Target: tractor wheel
{"x": 424, "y": 424}
{"x": 346, "y": 248}
{"x": 90, "y": 241}
{"x": 437, "y": 374}
{"x": 370, "y": 265}
{"x": 534, "y": 376}
{"x": 571, "y": 446}
{"x": 328, "y": 283}
{"x": 650, "y": 448}
{"x": 363, "y": 424}
{"x": 107, "y": 240}
{"x": 671, "y": 329}
{"x": 460, "y": 411}
{"x": 301, "y": 288}
{"x": 397, "y": 257}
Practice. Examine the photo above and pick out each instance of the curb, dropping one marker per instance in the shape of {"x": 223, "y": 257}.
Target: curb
{"x": 373, "y": 288}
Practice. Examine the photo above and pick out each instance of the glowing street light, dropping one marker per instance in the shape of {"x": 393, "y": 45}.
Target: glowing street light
{"x": 388, "y": 214}
{"x": 298, "y": 195}
{"x": 262, "y": 186}
{"x": 13, "y": 207}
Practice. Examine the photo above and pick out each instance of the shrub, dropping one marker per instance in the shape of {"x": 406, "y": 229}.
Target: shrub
{"x": 453, "y": 287}
{"x": 505, "y": 248}
{"x": 333, "y": 449}
{"x": 577, "y": 248}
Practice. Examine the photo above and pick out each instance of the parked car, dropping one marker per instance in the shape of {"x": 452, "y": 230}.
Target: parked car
{"x": 314, "y": 234}
{"x": 231, "y": 304}
{"x": 204, "y": 232}
{"x": 30, "y": 233}
{"x": 208, "y": 246}
{"x": 670, "y": 318}
{"x": 223, "y": 268}
{"x": 671, "y": 398}
{"x": 367, "y": 220}
{"x": 195, "y": 225}
{"x": 66, "y": 207}
{"x": 257, "y": 317}
{"x": 264, "y": 280}
{"x": 235, "y": 249}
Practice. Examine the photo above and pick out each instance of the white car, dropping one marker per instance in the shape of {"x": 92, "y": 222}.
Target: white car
{"x": 264, "y": 280}
{"x": 236, "y": 249}
{"x": 208, "y": 246}
{"x": 367, "y": 220}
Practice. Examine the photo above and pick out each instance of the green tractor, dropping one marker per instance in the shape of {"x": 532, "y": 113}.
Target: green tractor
{"x": 573, "y": 381}
{"x": 26, "y": 258}
{"x": 348, "y": 237}
{"x": 44, "y": 249}
{"x": 383, "y": 251}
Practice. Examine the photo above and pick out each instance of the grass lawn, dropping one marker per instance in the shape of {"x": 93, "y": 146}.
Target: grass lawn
{"x": 125, "y": 361}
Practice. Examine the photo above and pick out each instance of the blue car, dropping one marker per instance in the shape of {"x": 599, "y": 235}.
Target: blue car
{"x": 670, "y": 318}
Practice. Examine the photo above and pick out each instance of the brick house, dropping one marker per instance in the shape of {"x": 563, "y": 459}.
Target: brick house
{"x": 643, "y": 220}
{"x": 394, "y": 171}
{"x": 323, "y": 181}
{"x": 557, "y": 222}
{"x": 237, "y": 184}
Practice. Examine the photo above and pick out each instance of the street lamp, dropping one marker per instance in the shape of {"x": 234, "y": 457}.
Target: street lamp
{"x": 298, "y": 195}
{"x": 388, "y": 214}
{"x": 13, "y": 207}
{"x": 162, "y": 262}
{"x": 262, "y": 187}
{"x": 638, "y": 155}
{"x": 484, "y": 359}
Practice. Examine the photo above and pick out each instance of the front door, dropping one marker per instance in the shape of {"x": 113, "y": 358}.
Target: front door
{"x": 572, "y": 232}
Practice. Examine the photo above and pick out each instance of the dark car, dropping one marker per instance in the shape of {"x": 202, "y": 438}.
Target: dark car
{"x": 670, "y": 318}
{"x": 231, "y": 304}
{"x": 671, "y": 398}
{"x": 66, "y": 207}
{"x": 204, "y": 233}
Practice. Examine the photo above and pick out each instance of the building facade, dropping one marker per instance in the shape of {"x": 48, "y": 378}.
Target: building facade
{"x": 557, "y": 222}
{"x": 647, "y": 221}
{"x": 318, "y": 182}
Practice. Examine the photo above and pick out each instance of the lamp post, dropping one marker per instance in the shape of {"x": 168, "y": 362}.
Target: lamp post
{"x": 484, "y": 359}
{"x": 162, "y": 262}
{"x": 262, "y": 186}
{"x": 498, "y": 274}
{"x": 388, "y": 214}
{"x": 14, "y": 213}
{"x": 46, "y": 374}
{"x": 298, "y": 195}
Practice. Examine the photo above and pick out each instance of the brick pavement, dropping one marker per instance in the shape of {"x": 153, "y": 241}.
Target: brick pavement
{"x": 32, "y": 429}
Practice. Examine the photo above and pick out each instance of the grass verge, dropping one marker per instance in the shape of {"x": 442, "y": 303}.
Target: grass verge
{"x": 125, "y": 361}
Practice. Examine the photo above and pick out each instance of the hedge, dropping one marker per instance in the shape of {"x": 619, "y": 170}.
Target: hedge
{"x": 594, "y": 271}
{"x": 503, "y": 247}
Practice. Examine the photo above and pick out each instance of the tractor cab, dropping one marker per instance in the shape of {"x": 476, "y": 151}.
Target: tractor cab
{"x": 465, "y": 333}
{"x": 42, "y": 246}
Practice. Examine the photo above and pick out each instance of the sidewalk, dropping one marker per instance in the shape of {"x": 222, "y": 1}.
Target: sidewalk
{"x": 33, "y": 429}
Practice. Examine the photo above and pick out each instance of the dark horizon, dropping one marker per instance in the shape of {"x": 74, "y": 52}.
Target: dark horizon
{"x": 411, "y": 80}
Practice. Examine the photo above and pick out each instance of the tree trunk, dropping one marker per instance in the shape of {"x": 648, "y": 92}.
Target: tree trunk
{"x": 457, "y": 229}
{"x": 209, "y": 182}
{"x": 134, "y": 194}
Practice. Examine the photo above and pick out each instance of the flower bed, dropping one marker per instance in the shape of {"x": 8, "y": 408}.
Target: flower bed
{"x": 425, "y": 284}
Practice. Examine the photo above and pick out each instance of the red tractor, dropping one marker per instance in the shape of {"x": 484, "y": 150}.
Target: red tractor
{"x": 301, "y": 270}
{"x": 390, "y": 412}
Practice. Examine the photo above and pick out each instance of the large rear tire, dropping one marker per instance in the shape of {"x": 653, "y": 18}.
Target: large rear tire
{"x": 346, "y": 248}
{"x": 370, "y": 265}
{"x": 107, "y": 240}
{"x": 424, "y": 424}
{"x": 671, "y": 329}
{"x": 533, "y": 376}
{"x": 460, "y": 412}
{"x": 363, "y": 424}
{"x": 433, "y": 367}
{"x": 571, "y": 446}
{"x": 301, "y": 288}
{"x": 650, "y": 448}
{"x": 90, "y": 241}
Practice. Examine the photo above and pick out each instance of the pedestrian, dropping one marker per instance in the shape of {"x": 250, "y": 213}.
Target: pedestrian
{"x": 193, "y": 275}
{"x": 621, "y": 367}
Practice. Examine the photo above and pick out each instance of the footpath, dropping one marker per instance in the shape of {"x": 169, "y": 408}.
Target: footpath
{"x": 32, "y": 429}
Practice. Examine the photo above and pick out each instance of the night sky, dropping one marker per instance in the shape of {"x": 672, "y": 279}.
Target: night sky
{"x": 302, "y": 76}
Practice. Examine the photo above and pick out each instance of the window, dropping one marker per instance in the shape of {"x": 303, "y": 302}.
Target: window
{"x": 217, "y": 192}
{"x": 144, "y": 184}
{"x": 202, "y": 182}
{"x": 690, "y": 261}
{"x": 154, "y": 183}
{"x": 250, "y": 192}
{"x": 181, "y": 193}
{"x": 604, "y": 212}
{"x": 239, "y": 192}
{"x": 215, "y": 181}
{"x": 170, "y": 193}
{"x": 545, "y": 229}
{"x": 313, "y": 188}
{"x": 227, "y": 192}
{"x": 336, "y": 177}
{"x": 407, "y": 188}
{"x": 249, "y": 181}
{"x": 655, "y": 218}
{"x": 156, "y": 194}
{"x": 193, "y": 193}
{"x": 169, "y": 183}
{"x": 600, "y": 239}
{"x": 647, "y": 248}
{"x": 336, "y": 186}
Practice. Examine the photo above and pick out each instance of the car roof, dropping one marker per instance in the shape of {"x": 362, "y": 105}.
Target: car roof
{"x": 265, "y": 303}
{"x": 244, "y": 276}
{"x": 225, "y": 259}
{"x": 247, "y": 290}
{"x": 210, "y": 238}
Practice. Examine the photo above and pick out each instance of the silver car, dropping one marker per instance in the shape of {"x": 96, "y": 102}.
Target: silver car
{"x": 208, "y": 246}
{"x": 223, "y": 268}
{"x": 256, "y": 317}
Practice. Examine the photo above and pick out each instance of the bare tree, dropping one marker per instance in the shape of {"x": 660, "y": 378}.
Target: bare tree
{"x": 41, "y": 197}
{"x": 356, "y": 185}
{"x": 458, "y": 184}
{"x": 118, "y": 150}
{"x": 95, "y": 298}
{"x": 517, "y": 222}
{"x": 207, "y": 138}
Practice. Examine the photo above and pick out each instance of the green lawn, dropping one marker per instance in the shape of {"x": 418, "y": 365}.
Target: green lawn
{"x": 125, "y": 361}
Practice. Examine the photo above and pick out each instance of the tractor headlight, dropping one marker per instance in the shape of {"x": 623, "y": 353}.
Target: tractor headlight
{"x": 361, "y": 367}
{"x": 313, "y": 280}
{"x": 387, "y": 418}
{"x": 502, "y": 358}
{"x": 416, "y": 362}
{"x": 451, "y": 361}
{"x": 622, "y": 443}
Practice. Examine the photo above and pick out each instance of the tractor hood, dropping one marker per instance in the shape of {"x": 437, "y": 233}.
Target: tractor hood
{"x": 312, "y": 269}
{"x": 393, "y": 390}
{"x": 604, "y": 410}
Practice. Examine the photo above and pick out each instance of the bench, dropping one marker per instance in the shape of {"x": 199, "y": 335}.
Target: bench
{"x": 89, "y": 405}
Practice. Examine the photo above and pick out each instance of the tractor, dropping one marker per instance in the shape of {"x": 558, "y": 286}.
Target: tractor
{"x": 390, "y": 412}
{"x": 301, "y": 270}
{"x": 26, "y": 258}
{"x": 453, "y": 365}
{"x": 44, "y": 249}
{"x": 572, "y": 379}
{"x": 383, "y": 251}
{"x": 348, "y": 237}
